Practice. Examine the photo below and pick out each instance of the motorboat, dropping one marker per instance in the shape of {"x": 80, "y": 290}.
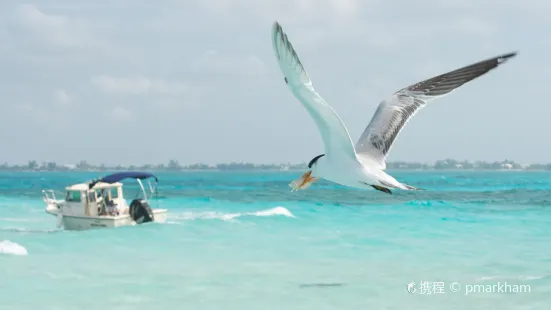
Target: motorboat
{"x": 101, "y": 203}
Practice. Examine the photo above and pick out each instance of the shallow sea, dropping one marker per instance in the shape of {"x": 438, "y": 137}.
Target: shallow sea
{"x": 244, "y": 241}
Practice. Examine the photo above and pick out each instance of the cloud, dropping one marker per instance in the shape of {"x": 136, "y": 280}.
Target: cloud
{"x": 25, "y": 108}
{"x": 477, "y": 26}
{"x": 33, "y": 113}
{"x": 50, "y": 29}
{"x": 62, "y": 98}
{"x": 344, "y": 8}
{"x": 121, "y": 114}
{"x": 305, "y": 11}
{"x": 213, "y": 62}
{"x": 210, "y": 65}
{"x": 137, "y": 85}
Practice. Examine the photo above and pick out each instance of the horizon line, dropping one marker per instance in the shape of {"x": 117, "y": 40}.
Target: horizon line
{"x": 175, "y": 164}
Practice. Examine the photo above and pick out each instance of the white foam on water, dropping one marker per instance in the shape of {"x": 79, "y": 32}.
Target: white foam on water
{"x": 28, "y": 230}
{"x": 520, "y": 278}
{"x": 274, "y": 211}
{"x": 12, "y": 248}
{"x": 21, "y": 220}
{"x": 211, "y": 215}
{"x": 207, "y": 215}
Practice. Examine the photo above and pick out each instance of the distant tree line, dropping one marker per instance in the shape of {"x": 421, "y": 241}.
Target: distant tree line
{"x": 173, "y": 165}
{"x": 452, "y": 164}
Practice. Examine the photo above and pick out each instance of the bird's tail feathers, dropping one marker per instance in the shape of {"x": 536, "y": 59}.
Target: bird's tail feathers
{"x": 400, "y": 186}
{"x": 412, "y": 188}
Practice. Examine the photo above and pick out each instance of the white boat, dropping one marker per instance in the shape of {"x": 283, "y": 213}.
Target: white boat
{"x": 101, "y": 203}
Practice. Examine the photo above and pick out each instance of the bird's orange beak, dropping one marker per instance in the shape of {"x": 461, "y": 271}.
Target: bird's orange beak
{"x": 303, "y": 182}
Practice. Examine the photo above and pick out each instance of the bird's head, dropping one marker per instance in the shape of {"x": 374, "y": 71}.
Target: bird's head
{"x": 309, "y": 177}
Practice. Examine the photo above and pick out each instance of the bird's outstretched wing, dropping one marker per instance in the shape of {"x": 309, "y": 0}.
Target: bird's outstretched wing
{"x": 392, "y": 114}
{"x": 335, "y": 136}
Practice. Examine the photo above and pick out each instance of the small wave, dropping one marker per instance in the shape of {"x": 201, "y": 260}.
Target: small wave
{"x": 20, "y": 220}
{"x": 520, "y": 278}
{"x": 172, "y": 223}
{"x": 8, "y": 247}
{"x": 210, "y": 215}
{"x": 323, "y": 285}
{"x": 27, "y": 230}
{"x": 425, "y": 203}
{"x": 230, "y": 216}
{"x": 274, "y": 211}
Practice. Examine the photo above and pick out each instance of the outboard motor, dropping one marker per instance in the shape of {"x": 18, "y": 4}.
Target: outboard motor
{"x": 140, "y": 211}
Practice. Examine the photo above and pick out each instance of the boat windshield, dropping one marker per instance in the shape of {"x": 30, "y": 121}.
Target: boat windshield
{"x": 110, "y": 192}
{"x": 73, "y": 196}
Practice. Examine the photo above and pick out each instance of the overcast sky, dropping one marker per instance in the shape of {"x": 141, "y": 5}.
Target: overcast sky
{"x": 134, "y": 81}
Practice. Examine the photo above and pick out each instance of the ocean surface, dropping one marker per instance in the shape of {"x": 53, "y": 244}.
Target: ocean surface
{"x": 472, "y": 240}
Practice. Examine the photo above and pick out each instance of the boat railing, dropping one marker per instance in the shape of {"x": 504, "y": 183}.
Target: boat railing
{"x": 49, "y": 195}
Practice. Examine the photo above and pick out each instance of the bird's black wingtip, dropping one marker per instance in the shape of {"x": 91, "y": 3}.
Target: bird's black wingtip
{"x": 276, "y": 29}
{"x": 507, "y": 56}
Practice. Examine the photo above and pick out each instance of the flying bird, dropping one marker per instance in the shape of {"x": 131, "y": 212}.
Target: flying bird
{"x": 362, "y": 165}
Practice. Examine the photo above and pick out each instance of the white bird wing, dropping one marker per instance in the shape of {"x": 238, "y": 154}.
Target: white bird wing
{"x": 392, "y": 114}
{"x": 336, "y": 138}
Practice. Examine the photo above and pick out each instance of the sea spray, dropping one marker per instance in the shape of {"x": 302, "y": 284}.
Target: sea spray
{"x": 12, "y": 248}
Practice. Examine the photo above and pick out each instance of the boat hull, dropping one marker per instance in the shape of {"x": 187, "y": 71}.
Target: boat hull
{"x": 94, "y": 222}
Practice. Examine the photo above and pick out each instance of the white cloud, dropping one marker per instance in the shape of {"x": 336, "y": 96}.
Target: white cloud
{"x": 25, "y": 107}
{"x": 344, "y": 8}
{"x": 52, "y": 29}
{"x": 214, "y": 62}
{"x": 31, "y": 112}
{"x": 137, "y": 85}
{"x": 62, "y": 98}
{"x": 304, "y": 11}
{"x": 121, "y": 114}
{"x": 477, "y": 26}
{"x": 182, "y": 62}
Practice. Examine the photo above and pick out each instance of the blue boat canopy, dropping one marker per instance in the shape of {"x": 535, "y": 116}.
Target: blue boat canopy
{"x": 116, "y": 177}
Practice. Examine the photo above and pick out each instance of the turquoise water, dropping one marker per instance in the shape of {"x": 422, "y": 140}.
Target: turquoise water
{"x": 243, "y": 241}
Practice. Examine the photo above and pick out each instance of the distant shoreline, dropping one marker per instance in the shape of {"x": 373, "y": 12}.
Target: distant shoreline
{"x": 264, "y": 170}
{"x": 174, "y": 166}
